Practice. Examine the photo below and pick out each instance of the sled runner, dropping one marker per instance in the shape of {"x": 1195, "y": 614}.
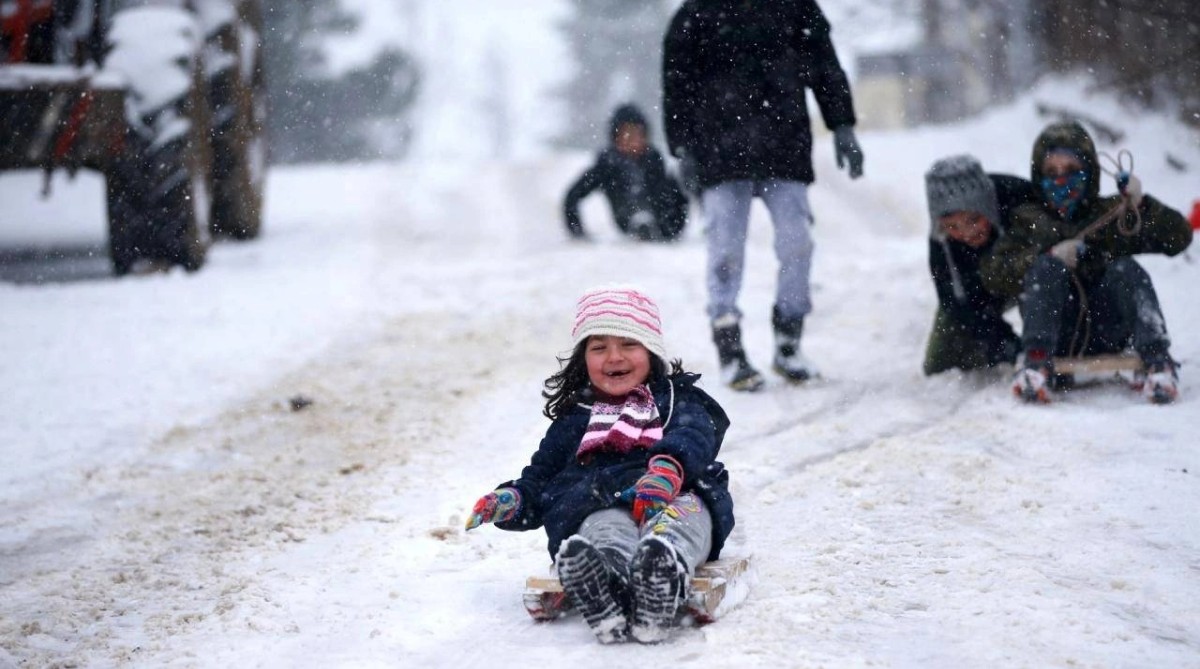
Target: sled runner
{"x": 717, "y": 587}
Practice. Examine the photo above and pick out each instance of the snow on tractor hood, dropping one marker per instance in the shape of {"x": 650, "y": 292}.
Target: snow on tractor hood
{"x": 215, "y": 14}
{"x": 155, "y": 49}
{"x": 23, "y": 76}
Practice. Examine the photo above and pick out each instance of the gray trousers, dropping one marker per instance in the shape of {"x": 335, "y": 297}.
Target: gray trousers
{"x": 727, "y": 210}
{"x": 688, "y": 529}
{"x": 1122, "y": 311}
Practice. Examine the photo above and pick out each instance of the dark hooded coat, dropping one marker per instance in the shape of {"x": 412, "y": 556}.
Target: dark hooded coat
{"x": 558, "y": 491}
{"x": 735, "y": 74}
{"x": 1037, "y": 227}
{"x": 631, "y": 185}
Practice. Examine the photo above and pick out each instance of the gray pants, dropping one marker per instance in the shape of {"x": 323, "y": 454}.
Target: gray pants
{"x": 727, "y": 210}
{"x": 688, "y": 529}
{"x": 1122, "y": 311}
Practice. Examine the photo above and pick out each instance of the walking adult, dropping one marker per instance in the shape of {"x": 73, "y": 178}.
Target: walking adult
{"x": 735, "y": 76}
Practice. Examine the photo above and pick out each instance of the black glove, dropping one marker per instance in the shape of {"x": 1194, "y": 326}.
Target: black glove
{"x": 1003, "y": 348}
{"x": 846, "y": 148}
{"x": 574, "y": 224}
{"x": 689, "y": 174}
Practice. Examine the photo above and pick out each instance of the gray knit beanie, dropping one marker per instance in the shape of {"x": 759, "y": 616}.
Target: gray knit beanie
{"x": 958, "y": 183}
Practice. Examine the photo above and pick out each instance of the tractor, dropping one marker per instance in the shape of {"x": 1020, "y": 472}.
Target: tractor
{"x": 165, "y": 98}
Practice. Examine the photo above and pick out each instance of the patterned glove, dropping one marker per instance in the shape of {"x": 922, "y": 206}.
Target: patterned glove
{"x": 1068, "y": 251}
{"x": 1130, "y": 188}
{"x": 495, "y": 507}
{"x": 657, "y": 487}
{"x": 847, "y": 150}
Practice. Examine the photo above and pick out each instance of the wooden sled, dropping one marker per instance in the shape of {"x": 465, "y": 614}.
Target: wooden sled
{"x": 717, "y": 587}
{"x": 1095, "y": 368}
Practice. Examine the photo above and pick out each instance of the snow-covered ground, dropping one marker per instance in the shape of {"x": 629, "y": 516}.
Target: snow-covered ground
{"x": 160, "y": 504}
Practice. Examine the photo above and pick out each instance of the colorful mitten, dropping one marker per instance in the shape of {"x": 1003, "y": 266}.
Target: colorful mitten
{"x": 1130, "y": 188}
{"x": 495, "y": 507}
{"x": 657, "y": 487}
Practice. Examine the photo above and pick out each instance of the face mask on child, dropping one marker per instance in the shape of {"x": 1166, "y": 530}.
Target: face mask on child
{"x": 1066, "y": 191}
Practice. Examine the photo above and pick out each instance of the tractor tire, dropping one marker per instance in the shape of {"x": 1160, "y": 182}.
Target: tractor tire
{"x": 127, "y": 227}
{"x": 177, "y": 203}
{"x": 237, "y": 99}
{"x": 157, "y": 181}
{"x": 154, "y": 207}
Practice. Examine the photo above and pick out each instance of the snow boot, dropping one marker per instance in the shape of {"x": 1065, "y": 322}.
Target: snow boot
{"x": 1158, "y": 381}
{"x": 1032, "y": 382}
{"x": 660, "y": 582}
{"x": 643, "y": 226}
{"x": 789, "y": 362}
{"x": 596, "y": 587}
{"x": 736, "y": 371}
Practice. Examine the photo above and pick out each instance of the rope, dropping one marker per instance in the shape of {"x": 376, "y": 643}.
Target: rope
{"x": 1083, "y": 320}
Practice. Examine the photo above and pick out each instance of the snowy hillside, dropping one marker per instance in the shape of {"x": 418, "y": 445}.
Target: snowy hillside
{"x": 162, "y": 505}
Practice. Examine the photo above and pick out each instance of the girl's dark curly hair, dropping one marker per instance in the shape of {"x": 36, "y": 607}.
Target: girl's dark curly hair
{"x": 570, "y": 385}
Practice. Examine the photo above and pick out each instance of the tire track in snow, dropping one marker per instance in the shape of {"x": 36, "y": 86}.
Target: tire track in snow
{"x": 191, "y": 522}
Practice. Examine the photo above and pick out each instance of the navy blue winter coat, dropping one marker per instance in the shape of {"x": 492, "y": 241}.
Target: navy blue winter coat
{"x": 558, "y": 492}
{"x": 631, "y": 185}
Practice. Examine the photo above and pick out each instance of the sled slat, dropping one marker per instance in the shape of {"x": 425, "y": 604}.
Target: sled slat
{"x": 544, "y": 583}
{"x": 1098, "y": 364}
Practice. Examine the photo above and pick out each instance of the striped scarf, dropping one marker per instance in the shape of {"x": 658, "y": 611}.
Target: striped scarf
{"x": 620, "y": 428}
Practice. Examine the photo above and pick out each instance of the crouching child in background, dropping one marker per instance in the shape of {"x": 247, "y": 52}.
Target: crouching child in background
{"x": 647, "y": 203}
{"x": 625, "y": 481}
{"x": 969, "y": 210}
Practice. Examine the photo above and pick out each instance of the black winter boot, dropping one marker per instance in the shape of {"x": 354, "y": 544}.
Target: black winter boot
{"x": 596, "y": 587}
{"x": 735, "y": 368}
{"x": 660, "y": 586}
{"x": 789, "y": 362}
{"x": 1034, "y": 381}
{"x": 1158, "y": 379}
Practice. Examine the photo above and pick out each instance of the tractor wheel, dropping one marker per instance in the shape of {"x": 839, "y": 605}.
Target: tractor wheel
{"x": 157, "y": 192}
{"x": 126, "y": 225}
{"x": 237, "y": 97}
{"x": 155, "y": 206}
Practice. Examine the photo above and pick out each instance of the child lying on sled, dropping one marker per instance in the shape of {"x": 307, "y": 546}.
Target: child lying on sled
{"x": 626, "y": 480}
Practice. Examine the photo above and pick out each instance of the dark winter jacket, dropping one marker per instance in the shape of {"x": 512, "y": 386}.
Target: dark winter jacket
{"x": 955, "y": 267}
{"x": 558, "y": 491}
{"x": 734, "y": 79}
{"x": 631, "y": 184}
{"x": 1036, "y": 227}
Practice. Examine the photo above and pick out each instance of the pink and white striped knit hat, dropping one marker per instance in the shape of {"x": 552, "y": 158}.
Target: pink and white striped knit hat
{"x": 620, "y": 311}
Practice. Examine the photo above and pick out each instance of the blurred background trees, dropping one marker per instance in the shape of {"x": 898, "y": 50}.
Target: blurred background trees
{"x": 314, "y": 116}
{"x": 912, "y": 62}
{"x": 616, "y": 49}
{"x": 968, "y": 54}
{"x": 1149, "y": 50}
